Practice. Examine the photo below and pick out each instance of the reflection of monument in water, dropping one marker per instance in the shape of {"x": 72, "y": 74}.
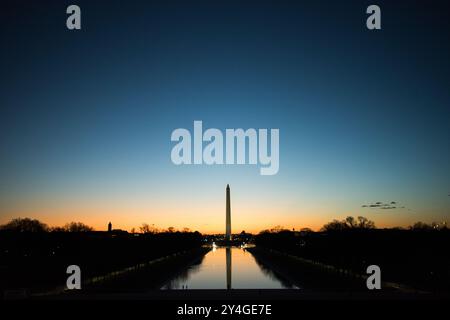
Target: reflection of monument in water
{"x": 228, "y": 257}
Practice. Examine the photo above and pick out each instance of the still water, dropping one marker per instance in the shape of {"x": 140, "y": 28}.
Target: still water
{"x": 227, "y": 268}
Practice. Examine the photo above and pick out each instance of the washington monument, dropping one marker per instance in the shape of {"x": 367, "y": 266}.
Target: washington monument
{"x": 228, "y": 217}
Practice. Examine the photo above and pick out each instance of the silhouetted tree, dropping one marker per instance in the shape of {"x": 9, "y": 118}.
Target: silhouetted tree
{"x": 348, "y": 224}
{"x": 306, "y": 231}
{"x": 422, "y": 226}
{"x": 25, "y": 225}
{"x": 77, "y": 227}
{"x": 335, "y": 225}
{"x": 171, "y": 230}
{"x": 351, "y": 222}
{"x": 364, "y": 223}
{"x": 145, "y": 228}
{"x": 57, "y": 229}
{"x": 277, "y": 229}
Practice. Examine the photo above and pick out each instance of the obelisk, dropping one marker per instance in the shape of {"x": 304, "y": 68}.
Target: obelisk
{"x": 228, "y": 218}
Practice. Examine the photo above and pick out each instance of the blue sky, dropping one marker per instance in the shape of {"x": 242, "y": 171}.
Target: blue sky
{"x": 87, "y": 115}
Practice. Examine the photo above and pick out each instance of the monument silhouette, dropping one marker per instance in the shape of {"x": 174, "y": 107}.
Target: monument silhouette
{"x": 228, "y": 216}
{"x": 228, "y": 240}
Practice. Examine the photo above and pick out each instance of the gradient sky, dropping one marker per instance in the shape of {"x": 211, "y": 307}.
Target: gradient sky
{"x": 86, "y": 116}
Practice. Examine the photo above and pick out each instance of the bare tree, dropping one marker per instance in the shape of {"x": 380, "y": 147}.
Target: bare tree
{"x": 364, "y": 223}
{"x": 146, "y": 228}
{"x": 77, "y": 227}
{"x": 335, "y": 225}
{"x": 25, "y": 225}
{"x": 277, "y": 229}
{"x": 171, "y": 229}
{"x": 349, "y": 223}
{"x": 421, "y": 226}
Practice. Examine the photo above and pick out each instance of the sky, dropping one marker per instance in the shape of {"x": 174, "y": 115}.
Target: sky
{"x": 86, "y": 115}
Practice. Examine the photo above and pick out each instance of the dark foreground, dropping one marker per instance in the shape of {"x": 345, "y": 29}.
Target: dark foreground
{"x": 248, "y": 294}
{"x": 316, "y": 282}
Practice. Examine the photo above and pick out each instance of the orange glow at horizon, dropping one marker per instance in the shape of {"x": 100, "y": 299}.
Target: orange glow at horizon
{"x": 208, "y": 219}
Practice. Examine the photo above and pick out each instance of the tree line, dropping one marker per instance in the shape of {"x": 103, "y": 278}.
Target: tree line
{"x": 34, "y": 225}
{"x": 361, "y": 223}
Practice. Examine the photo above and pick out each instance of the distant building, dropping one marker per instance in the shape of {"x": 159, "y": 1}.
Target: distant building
{"x": 109, "y": 227}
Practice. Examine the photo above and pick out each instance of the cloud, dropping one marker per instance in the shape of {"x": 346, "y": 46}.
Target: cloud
{"x": 383, "y": 205}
